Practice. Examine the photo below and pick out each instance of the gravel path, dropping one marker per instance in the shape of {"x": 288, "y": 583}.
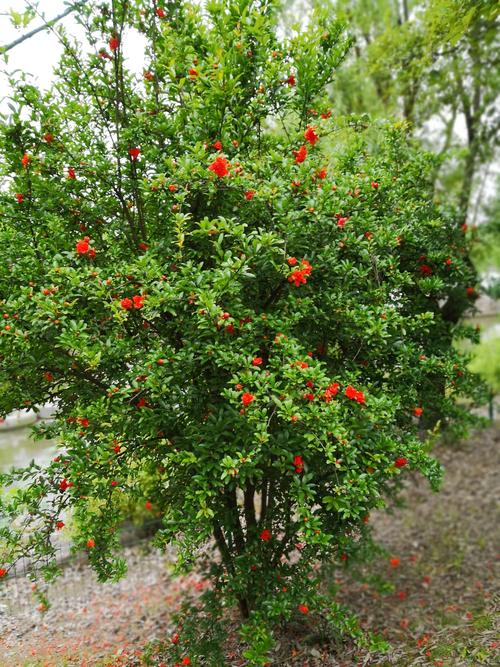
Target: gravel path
{"x": 87, "y": 620}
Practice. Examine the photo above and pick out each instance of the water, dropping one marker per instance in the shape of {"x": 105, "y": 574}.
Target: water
{"x": 17, "y": 449}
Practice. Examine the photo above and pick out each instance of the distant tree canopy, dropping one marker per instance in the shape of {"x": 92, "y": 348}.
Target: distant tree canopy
{"x": 437, "y": 65}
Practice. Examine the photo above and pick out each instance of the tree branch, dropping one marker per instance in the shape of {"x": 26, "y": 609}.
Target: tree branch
{"x": 35, "y": 31}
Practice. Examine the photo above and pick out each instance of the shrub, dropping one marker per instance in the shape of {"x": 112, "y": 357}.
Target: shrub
{"x": 242, "y": 304}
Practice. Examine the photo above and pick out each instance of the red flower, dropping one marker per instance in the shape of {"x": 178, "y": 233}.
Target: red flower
{"x": 25, "y": 160}
{"x": 354, "y": 394}
{"x": 448, "y": 261}
{"x": 134, "y": 153}
{"x": 310, "y": 384}
{"x": 217, "y": 145}
{"x": 418, "y": 411}
{"x": 309, "y": 397}
{"x": 247, "y": 398}
{"x": 71, "y": 173}
{"x": 291, "y": 80}
{"x": 219, "y": 166}
{"x": 303, "y": 608}
{"x": 229, "y": 328}
{"x": 360, "y": 397}
{"x": 127, "y": 303}
{"x": 298, "y": 463}
{"x": 306, "y": 267}
{"x": 114, "y": 483}
{"x": 48, "y": 137}
{"x": 292, "y": 261}
{"x": 425, "y": 269}
{"x": 310, "y": 135}
{"x": 48, "y": 376}
{"x": 138, "y": 301}
{"x": 160, "y": 13}
{"x": 193, "y": 73}
{"x": 395, "y": 561}
{"x": 82, "y": 246}
{"x": 350, "y": 392}
{"x": 401, "y": 595}
{"x": 63, "y": 484}
{"x": 470, "y": 291}
{"x": 374, "y": 185}
{"x": 148, "y": 505}
{"x": 302, "y": 364}
{"x": 172, "y": 187}
{"x": 141, "y": 403}
{"x": 19, "y": 197}
{"x": 186, "y": 660}
{"x": 90, "y": 543}
{"x": 114, "y": 43}
{"x": 175, "y": 638}
{"x": 149, "y": 76}
{"x": 341, "y": 220}
{"x": 400, "y": 462}
{"x": 265, "y": 536}
{"x": 83, "y": 421}
{"x": 257, "y": 361}
{"x": 331, "y": 391}
{"x": 3, "y": 572}
{"x": 326, "y": 114}
{"x": 298, "y": 277}
{"x": 249, "y": 195}
{"x": 322, "y": 173}
{"x": 300, "y": 155}
{"x": 59, "y": 525}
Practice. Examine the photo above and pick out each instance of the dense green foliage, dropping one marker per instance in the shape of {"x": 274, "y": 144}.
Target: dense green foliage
{"x": 239, "y": 301}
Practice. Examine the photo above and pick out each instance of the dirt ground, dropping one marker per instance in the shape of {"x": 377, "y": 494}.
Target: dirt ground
{"x": 434, "y": 596}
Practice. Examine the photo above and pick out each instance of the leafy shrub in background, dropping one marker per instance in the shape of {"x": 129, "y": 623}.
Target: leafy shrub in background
{"x": 237, "y": 299}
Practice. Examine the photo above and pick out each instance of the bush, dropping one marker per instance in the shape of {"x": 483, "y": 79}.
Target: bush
{"x": 243, "y": 305}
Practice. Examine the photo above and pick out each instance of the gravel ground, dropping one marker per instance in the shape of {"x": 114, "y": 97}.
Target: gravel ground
{"x": 437, "y": 603}
{"x": 88, "y": 621}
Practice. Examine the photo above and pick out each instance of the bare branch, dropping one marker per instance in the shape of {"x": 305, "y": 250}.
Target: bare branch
{"x": 44, "y": 26}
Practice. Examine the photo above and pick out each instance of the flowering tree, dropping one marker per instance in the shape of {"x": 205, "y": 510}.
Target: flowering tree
{"x": 236, "y": 299}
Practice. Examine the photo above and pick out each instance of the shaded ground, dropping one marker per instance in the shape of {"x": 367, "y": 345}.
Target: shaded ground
{"x": 444, "y": 603}
{"x": 435, "y": 603}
